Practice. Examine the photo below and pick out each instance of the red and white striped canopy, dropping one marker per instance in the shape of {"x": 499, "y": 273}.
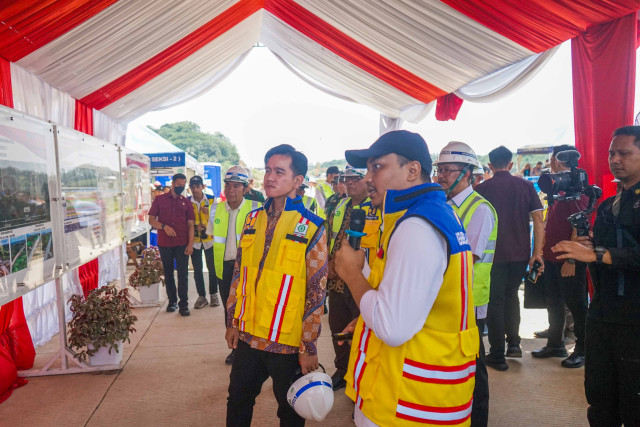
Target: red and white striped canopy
{"x": 127, "y": 57}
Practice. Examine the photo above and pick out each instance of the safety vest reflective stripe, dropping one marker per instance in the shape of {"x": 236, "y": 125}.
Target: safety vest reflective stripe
{"x": 433, "y": 414}
{"x": 438, "y": 374}
{"x": 361, "y": 365}
{"x": 473, "y": 201}
{"x": 326, "y": 189}
{"x": 218, "y": 239}
{"x": 244, "y": 299}
{"x": 283, "y": 299}
{"x": 486, "y": 258}
{"x": 220, "y": 229}
{"x": 463, "y": 290}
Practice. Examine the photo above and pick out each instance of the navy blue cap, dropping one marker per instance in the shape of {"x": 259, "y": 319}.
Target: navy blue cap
{"x": 401, "y": 142}
{"x": 196, "y": 180}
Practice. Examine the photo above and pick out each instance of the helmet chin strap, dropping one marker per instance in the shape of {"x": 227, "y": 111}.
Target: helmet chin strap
{"x": 452, "y": 186}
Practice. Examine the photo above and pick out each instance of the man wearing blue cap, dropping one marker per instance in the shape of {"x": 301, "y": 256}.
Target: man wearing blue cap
{"x": 415, "y": 342}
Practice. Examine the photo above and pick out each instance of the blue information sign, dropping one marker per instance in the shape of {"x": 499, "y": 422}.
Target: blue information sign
{"x": 167, "y": 160}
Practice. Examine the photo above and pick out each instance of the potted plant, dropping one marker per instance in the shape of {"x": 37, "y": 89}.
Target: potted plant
{"x": 101, "y": 322}
{"x": 148, "y": 276}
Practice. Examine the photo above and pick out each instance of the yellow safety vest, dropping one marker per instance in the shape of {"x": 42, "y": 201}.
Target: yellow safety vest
{"x": 201, "y": 218}
{"x": 429, "y": 379}
{"x": 272, "y": 305}
{"x": 482, "y": 268}
{"x": 371, "y": 225}
{"x": 221, "y": 227}
{"x": 326, "y": 189}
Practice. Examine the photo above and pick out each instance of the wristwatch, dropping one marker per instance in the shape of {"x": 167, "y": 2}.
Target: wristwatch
{"x": 162, "y": 226}
{"x": 599, "y": 253}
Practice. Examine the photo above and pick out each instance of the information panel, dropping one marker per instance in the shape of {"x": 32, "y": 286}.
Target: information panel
{"x": 28, "y": 237}
{"x": 91, "y": 196}
{"x": 136, "y": 180}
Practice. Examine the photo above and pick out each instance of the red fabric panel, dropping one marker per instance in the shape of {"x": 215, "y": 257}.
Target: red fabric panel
{"x": 6, "y": 90}
{"x": 349, "y": 49}
{"x": 604, "y": 74}
{"x": 22, "y": 349}
{"x": 27, "y": 25}
{"x": 541, "y": 24}
{"x": 171, "y": 56}
{"x": 8, "y": 371}
{"x": 84, "y": 118}
{"x": 88, "y": 274}
{"x": 447, "y": 107}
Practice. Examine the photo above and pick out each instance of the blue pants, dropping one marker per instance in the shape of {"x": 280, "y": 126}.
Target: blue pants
{"x": 168, "y": 255}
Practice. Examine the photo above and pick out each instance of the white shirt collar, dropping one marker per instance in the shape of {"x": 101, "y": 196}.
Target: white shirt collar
{"x": 236, "y": 209}
{"x": 459, "y": 198}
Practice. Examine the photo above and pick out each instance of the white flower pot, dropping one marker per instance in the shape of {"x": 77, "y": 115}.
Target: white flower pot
{"x": 102, "y": 356}
{"x": 150, "y": 294}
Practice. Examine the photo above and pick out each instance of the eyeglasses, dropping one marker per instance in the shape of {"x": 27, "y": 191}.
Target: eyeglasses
{"x": 447, "y": 171}
{"x": 351, "y": 178}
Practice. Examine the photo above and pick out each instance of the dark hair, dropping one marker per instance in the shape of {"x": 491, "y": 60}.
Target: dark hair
{"x": 560, "y": 148}
{"x": 500, "y": 157}
{"x": 633, "y": 131}
{"x": 424, "y": 174}
{"x": 298, "y": 160}
{"x": 333, "y": 169}
{"x": 178, "y": 176}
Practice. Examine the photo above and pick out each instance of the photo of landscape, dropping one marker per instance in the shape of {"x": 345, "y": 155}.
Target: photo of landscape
{"x": 34, "y": 248}
{"x": 47, "y": 244}
{"x": 18, "y": 253}
{"x": 5, "y": 257}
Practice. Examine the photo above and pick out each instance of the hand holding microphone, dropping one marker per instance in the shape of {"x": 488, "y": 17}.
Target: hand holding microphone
{"x": 349, "y": 260}
{"x": 356, "y": 228}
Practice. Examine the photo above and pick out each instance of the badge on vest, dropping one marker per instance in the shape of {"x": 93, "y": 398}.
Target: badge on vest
{"x": 636, "y": 204}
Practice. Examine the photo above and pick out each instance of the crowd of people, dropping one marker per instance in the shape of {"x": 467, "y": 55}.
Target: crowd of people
{"x": 442, "y": 254}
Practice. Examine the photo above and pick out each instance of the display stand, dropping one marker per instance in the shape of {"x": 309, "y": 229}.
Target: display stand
{"x": 68, "y": 363}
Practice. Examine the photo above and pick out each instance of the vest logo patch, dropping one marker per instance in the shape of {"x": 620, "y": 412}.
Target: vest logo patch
{"x": 462, "y": 238}
{"x": 217, "y": 221}
{"x": 636, "y": 204}
{"x": 301, "y": 229}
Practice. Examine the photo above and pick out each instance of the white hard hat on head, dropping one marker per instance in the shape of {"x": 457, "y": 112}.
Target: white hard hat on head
{"x": 311, "y": 396}
{"x": 458, "y": 152}
{"x": 237, "y": 174}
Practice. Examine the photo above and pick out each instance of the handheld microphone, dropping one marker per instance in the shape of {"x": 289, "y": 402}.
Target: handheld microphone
{"x": 356, "y": 227}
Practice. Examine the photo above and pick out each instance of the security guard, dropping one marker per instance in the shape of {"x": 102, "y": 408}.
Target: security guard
{"x": 342, "y": 308}
{"x": 612, "y": 366}
{"x": 455, "y": 166}
{"x": 202, "y": 242}
{"x": 226, "y": 226}
{"x": 414, "y": 347}
{"x": 276, "y": 301}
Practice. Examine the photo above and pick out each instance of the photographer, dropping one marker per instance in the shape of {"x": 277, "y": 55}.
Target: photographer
{"x": 202, "y": 242}
{"x": 612, "y": 370}
{"x": 564, "y": 282}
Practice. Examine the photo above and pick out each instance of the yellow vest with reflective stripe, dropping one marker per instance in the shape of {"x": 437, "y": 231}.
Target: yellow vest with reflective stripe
{"x": 482, "y": 268}
{"x": 429, "y": 379}
{"x": 371, "y": 225}
{"x": 221, "y": 227}
{"x": 201, "y": 218}
{"x": 271, "y": 306}
{"x": 326, "y": 189}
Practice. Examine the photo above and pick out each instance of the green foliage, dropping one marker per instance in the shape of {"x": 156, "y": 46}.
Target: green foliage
{"x": 203, "y": 146}
{"x": 150, "y": 270}
{"x": 102, "y": 319}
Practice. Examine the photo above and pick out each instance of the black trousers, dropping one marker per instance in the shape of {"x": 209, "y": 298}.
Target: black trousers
{"x": 167, "y": 255}
{"x": 342, "y": 310}
{"x": 480, "y": 408}
{"x": 225, "y": 284}
{"x": 198, "y": 274}
{"x": 571, "y": 291}
{"x": 612, "y": 374}
{"x": 503, "y": 314}
{"x": 251, "y": 368}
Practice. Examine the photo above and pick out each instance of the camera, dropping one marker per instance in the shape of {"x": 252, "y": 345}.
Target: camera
{"x": 570, "y": 186}
{"x": 533, "y": 272}
{"x": 202, "y": 234}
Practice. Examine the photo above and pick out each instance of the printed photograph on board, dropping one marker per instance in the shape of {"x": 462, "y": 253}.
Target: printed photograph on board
{"x": 18, "y": 253}
{"x": 5, "y": 258}
{"x": 24, "y": 194}
{"x": 34, "y": 248}
{"x": 47, "y": 244}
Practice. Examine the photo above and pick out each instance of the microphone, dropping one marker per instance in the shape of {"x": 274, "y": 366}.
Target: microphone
{"x": 356, "y": 227}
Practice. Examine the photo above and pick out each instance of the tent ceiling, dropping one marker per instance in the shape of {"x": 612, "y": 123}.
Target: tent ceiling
{"x": 128, "y": 57}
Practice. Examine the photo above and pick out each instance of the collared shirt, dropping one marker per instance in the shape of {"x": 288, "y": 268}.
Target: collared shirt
{"x": 478, "y": 232}
{"x": 231, "y": 245}
{"x": 514, "y": 199}
{"x": 174, "y": 212}
{"x": 316, "y": 261}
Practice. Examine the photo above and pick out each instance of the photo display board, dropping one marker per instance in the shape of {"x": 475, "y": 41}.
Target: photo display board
{"x": 91, "y": 189}
{"x": 29, "y": 229}
{"x": 136, "y": 180}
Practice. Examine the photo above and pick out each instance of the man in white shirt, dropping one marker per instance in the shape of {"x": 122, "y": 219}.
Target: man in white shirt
{"x": 455, "y": 166}
{"x": 416, "y": 305}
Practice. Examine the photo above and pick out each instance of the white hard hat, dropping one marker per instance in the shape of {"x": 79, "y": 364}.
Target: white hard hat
{"x": 237, "y": 174}
{"x": 351, "y": 171}
{"x": 458, "y": 152}
{"x": 311, "y": 396}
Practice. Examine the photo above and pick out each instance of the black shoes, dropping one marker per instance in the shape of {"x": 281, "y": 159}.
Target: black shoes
{"x": 173, "y": 306}
{"x": 514, "y": 351}
{"x": 338, "y": 381}
{"x": 184, "y": 311}
{"x": 229, "y": 359}
{"x": 498, "y": 365}
{"x": 546, "y": 352}
{"x": 576, "y": 360}
{"x": 541, "y": 334}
